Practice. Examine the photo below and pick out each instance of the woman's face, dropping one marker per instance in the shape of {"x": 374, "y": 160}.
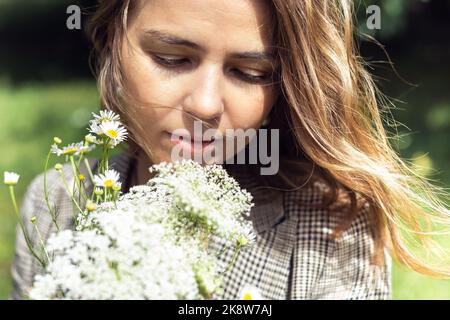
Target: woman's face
{"x": 208, "y": 60}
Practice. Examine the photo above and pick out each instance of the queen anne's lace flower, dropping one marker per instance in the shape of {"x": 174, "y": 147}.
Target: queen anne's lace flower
{"x": 152, "y": 243}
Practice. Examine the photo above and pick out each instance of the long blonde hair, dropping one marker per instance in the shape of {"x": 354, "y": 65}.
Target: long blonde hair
{"x": 335, "y": 117}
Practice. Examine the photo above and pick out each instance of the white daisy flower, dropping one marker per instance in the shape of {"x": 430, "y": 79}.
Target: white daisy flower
{"x": 106, "y": 116}
{"x": 114, "y": 130}
{"x": 250, "y": 292}
{"x": 11, "y": 178}
{"x": 107, "y": 180}
{"x": 67, "y": 150}
{"x": 247, "y": 238}
{"x": 71, "y": 149}
{"x": 94, "y": 127}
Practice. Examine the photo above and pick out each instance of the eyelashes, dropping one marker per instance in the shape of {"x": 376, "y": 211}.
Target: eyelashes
{"x": 170, "y": 62}
{"x": 177, "y": 66}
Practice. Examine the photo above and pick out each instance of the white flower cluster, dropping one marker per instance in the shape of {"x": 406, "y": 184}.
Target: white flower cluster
{"x": 207, "y": 200}
{"x": 152, "y": 242}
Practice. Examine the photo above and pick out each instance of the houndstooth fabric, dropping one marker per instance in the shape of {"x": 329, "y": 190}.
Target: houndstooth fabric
{"x": 293, "y": 257}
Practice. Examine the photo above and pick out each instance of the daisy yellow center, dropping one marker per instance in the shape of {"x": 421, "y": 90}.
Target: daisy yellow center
{"x": 112, "y": 134}
{"x": 247, "y": 296}
{"x": 108, "y": 183}
{"x": 71, "y": 150}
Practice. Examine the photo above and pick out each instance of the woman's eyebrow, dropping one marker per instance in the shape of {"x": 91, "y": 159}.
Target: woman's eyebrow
{"x": 175, "y": 40}
{"x": 171, "y": 39}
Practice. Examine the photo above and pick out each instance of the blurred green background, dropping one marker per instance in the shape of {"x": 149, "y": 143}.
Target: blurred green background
{"x": 47, "y": 89}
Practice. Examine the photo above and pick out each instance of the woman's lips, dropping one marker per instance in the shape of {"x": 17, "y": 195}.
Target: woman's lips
{"x": 191, "y": 145}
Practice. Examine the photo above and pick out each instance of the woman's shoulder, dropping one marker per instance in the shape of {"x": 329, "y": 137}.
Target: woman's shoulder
{"x": 318, "y": 218}
{"x": 338, "y": 248}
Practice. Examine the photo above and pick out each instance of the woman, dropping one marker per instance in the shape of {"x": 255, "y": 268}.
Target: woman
{"x": 328, "y": 222}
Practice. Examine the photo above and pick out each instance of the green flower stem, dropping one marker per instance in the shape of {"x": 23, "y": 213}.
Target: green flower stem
{"x": 73, "y": 194}
{"x": 113, "y": 265}
{"x": 51, "y": 210}
{"x": 106, "y": 159}
{"x": 115, "y": 194}
{"x": 79, "y": 195}
{"x": 75, "y": 172}
{"x": 81, "y": 156}
{"x": 82, "y": 193}
{"x": 107, "y": 154}
{"x": 41, "y": 241}
{"x": 91, "y": 176}
{"x": 74, "y": 201}
{"x": 83, "y": 185}
{"x": 228, "y": 244}
{"x": 88, "y": 167}
{"x": 223, "y": 250}
{"x": 230, "y": 265}
{"x": 104, "y": 162}
{"x": 24, "y": 231}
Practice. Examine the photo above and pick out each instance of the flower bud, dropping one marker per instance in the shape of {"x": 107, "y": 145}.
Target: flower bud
{"x": 57, "y": 140}
{"x": 58, "y": 167}
{"x": 11, "y": 178}
{"x": 241, "y": 241}
{"x": 90, "y": 138}
{"x": 117, "y": 186}
{"x": 91, "y": 206}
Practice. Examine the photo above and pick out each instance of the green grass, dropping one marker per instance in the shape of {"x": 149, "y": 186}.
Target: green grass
{"x": 31, "y": 115}
{"x": 412, "y": 286}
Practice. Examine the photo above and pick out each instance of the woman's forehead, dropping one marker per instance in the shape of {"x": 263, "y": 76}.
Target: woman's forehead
{"x": 245, "y": 25}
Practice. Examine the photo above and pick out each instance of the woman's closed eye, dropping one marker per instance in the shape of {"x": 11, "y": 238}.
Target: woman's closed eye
{"x": 168, "y": 61}
{"x": 172, "y": 63}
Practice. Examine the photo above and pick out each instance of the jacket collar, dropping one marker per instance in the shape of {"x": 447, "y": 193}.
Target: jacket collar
{"x": 267, "y": 212}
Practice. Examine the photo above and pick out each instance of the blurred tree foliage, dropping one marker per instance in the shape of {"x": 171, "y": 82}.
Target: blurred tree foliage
{"x": 37, "y": 46}
{"x": 394, "y": 15}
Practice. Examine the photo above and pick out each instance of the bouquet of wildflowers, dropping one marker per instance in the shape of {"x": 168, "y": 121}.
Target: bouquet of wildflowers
{"x": 150, "y": 243}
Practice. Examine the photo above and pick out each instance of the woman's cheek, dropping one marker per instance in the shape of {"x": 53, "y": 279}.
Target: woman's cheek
{"x": 247, "y": 113}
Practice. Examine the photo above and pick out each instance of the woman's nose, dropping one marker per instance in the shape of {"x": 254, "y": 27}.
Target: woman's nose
{"x": 205, "y": 96}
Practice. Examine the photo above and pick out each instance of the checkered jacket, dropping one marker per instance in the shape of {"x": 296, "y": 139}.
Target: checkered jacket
{"x": 293, "y": 257}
